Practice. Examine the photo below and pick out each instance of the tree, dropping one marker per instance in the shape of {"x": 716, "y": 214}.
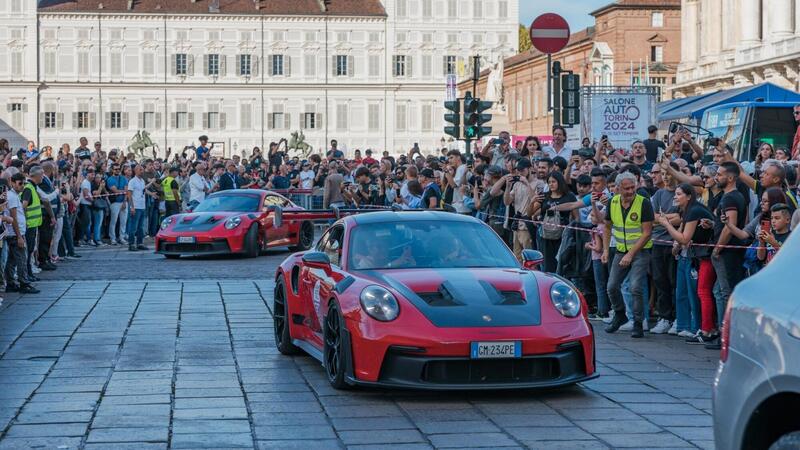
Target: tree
{"x": 524, "y": 39}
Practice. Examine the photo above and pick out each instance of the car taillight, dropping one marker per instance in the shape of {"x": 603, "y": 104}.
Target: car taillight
{"x": 725, "y": 338}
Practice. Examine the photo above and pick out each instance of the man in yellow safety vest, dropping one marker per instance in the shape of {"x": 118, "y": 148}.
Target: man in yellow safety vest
{"x": 172, "y": 196}
{"x": 629, "y": 219}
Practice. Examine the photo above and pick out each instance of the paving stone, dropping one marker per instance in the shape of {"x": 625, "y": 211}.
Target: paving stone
{"x": 380, "y": 437}
{"x": 54, "y": 417}
{"x": 210, "y": 426}
{"x": 536, "y": 420}
{"x": 145, "y": 434}
{"x": 289, "y": 432}
{"x": 693, "y": 433}
{"x": 457, "y": 426}
{"x": 302, "y": 444}
{"x": 128, "y": 446}
{"x": 291, "y": 418}
{"x": 13, "y": 443}
{"x": 565, "y": 445}
{"x": 210, "y": 413}
{"x": 48, "y": 430}
{"x": 211, "y": 440}
{"x": 209, "y": 402}
{"x": 372, "y": 423}
{"x": 547, "y": 433}
{"x": 464, "y": 440}
{"x": 677, "y": 420}
{"x": 617, "y": 426}
{"x": 640, "y": 441}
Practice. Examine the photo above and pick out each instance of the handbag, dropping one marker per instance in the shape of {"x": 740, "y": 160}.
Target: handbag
{"x": 101, "y": 203}
{"x": 551, "y": 226}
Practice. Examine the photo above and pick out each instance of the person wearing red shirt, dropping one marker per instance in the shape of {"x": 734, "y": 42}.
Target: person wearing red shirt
{"x": 369, "y": 160}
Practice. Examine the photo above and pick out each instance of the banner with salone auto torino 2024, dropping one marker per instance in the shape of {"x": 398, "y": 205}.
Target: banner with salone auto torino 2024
{"x": 624, "y": 118}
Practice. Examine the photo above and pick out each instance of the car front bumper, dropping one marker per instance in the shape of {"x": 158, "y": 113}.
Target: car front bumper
{"x": 204, "y": 244}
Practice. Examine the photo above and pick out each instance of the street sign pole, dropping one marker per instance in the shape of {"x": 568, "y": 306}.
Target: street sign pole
{"x": 549, "y": 83}
{"x": 550, "y": 34}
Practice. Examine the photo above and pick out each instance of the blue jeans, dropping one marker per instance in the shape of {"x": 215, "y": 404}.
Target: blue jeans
{"x": 136, "y": 227}
{"x": 687, "y": 304}
{"x": 637, "y": 272}
{"x": 67, "y": 243}
{"x": 600, "y": 282}
{"x": 627, "y": 296}
{"x": 85, "y": 221}
{"x": 97, "y": 223}
{"x": 153, "y": 216}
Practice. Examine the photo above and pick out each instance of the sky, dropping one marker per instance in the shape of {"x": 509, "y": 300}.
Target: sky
{"x": 575, "y": 11}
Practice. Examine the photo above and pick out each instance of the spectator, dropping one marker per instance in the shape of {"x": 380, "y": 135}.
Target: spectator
{"x": 136, "y": 200}
{"x": 432, "y": 194}
{"x": 544, "y": 209}
{"x": 17, "y": 263}
{"x": 654, "y": 147}
{"x": 172, "y": 194}
{"x": 117, "y": 184}
{"x": 559, "y": 148}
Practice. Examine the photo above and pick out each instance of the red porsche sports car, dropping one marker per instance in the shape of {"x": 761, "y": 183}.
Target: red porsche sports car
{"x": 430, "y": 300}
{"x": 245, "y": 221}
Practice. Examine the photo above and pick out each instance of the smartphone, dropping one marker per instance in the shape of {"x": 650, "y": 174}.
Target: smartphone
{"x": 604, "y": 137}
{"x": 766, "y": 225}
{"x": 574, "y": 153}
{"x": 515, "y": 179}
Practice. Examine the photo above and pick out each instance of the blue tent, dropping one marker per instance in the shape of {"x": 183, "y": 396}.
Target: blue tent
{"x": 692, "y": 108}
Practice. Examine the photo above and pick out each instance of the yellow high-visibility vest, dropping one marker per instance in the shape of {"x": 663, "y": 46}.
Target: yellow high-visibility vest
{"x": 627, "y": 230}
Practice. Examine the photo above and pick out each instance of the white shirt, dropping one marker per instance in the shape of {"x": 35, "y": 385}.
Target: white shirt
{"x": 85, "y": 185}
{"x": 197, "y": 186}
{"x": 566, "y": 152}
{"x": 14, "y": 202}
{"x": 136, "y": 187}
{"x": 307, "y": 179}
{"x": 458, "y": 197}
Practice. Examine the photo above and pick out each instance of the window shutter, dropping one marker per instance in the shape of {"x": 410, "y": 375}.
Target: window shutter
{"x": 124, "y": 121}
{"x": 74, "y": 120}
{"x": 190, "y": 65}
{"x": 205, "y": 65}
{"x": 223, "y": 120}
{"x": 394, "y": 65}
{"x": 351, "y": 66}
{"x": 333, "y": 65}
{"x": 318, "y": 121}
{"x": 41, "y": 120}
{"x": 444, "y": 65}
{"x": 270, "y": 121}
{"x": 173, "y": 120}
{"x": 222, "y": 69}
{"x": 239, "y": 65}
{"x": 409, "y": 67}
{"x": 8, "y": 107}
{"x": 24, "y": 107}
{"x": 158, "y": 120}
{"x": 270, "y": 69}
{"x": 191, "y": 120}
{"x": 92, "y": 120}
{"x": 287, "y": 121}
{"x": 287, "y": 65}
{"x": 59, "y": 120}
{"x": 254, "y": 65}
{"x": 205, "y": 121}
{"x": 107, "y": 119}
{"x": 140, "y": 120}
{"x": 174, "y": 65}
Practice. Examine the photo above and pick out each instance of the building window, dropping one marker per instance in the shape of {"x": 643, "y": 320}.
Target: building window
{"x": 212, "y": 119}
{"x": 182, "y": 118}
{"x": 452, "y": 9}
{"x": 276, "y": 120}
{"x": 116, "y": 63}
{"x": 16, "y": 110}
{"x": 402, "y": 9}
{"x": 450, "y": 65}
{"x": 16, "y": 6}
{"x": 279, "y": 36}
{"x": 82, "y": 119}
{"x": 50, "y": 63}
{"x": 399, "y": 64}
{"x": 502, "y": 9}
{"x": 212, "y": 65}
{"x": 246, "y": 36}
{"x": 115, "y": 120}
{"x": 341, "y": 36}
{"x": 309, "y": 121}
{"x": 427, "y": 117}
{"x": 149, "y": 35}
{"x": 657, "y": 53}
{"x": 182, "y": 35}
{"x": 427, "y": 38}
{"x": 427, "y": 66}
{"x": 148, "y": 63}
{"x": 477, "y": 38}
{"x": 148, "y": 120}
{"x": 342, "y": 117}
{"x": 452, "y": 38}
{"x": 341, "y": 69}
{"x": 427, "y": 9}
{"x": 49, "y": 120}
{"x": 374, "y": 38}
{"x": 83, "y": 64}
{"x": 374, "y": 65}
{"x": 246, "y": 117}
{"x": 276, "y": 65}
{"x": 181, "y": 64}
{"x": 401, "y": 117}
{"x": 245, "y": 65}
{"x": 374, "y": 117}
{"x": 115, "y": 34}
{"x": 16, "y": 64}
{"x": 310, "y": 65}
{"x": 311, "y": 36}
{"x": 477, "y": 8}
{"x": 658, "y": 19}
{"x": 402, "y": 36}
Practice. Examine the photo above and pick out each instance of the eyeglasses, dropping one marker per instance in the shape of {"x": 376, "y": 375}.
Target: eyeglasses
{"x": 796, "y": 113}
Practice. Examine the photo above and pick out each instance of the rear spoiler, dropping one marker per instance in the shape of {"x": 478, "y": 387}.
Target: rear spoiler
{"x": 336, "y": 213}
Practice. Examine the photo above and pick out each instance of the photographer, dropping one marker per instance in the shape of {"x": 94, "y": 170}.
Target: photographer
{"x": 455, "y": 177}
{"x": 367, "y": 192}
{"x": 520, "y": 191}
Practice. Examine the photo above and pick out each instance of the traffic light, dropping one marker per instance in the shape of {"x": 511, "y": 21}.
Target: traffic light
{"x": 570, "y": 99}
{"x": 453, "y": 117}
{"x": 474, "y": 119}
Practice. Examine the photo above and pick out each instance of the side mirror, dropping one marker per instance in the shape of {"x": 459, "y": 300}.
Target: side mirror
{"x": 531, "y": 259}
{"x": 317, "y": 259}
{"x": 277, "y": 220}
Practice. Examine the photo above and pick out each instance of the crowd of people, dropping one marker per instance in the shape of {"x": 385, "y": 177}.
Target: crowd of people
{"x": 658, "y": 233}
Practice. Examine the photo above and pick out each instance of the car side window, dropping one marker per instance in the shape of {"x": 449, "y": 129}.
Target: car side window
{"x": 333, "y": 245}
{"x": 274, "y": 200}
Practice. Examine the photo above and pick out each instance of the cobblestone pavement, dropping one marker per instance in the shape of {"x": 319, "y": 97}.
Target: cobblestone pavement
{"x": 150, "y": 353}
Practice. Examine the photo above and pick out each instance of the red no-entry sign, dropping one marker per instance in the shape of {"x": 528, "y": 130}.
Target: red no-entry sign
{"x": 549, "y": 33}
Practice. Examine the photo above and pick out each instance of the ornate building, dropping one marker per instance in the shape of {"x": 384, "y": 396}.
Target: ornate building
{"x": 370, "y": 73}
{"x": 735, "y": 43}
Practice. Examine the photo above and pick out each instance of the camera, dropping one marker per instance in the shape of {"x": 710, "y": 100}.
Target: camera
{"x": 713, "y": 141}
{"x": 515, "y": 178}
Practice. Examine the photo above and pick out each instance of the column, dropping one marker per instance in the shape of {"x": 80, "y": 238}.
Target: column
{"x": 751, "y": 22}
{"x": 796, "y": 16}
{"x": 781, "y": 18}
{"x": 689, "y": 36}
{"x": 714, "y": 27}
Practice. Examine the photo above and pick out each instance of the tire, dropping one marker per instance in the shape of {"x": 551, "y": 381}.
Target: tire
{"x": 280, "y": 315}
{"x": 789, "y": 441}
{"x": 251, "y": 249}
{"x": 172, "y": 256}
{"x": 305, "y": 238}
{"x": 334, "y": 354}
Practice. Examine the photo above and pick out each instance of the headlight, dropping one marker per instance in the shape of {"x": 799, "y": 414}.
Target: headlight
{"x": 565, "y": 299}
{"x": 233, "y": 222}
{"x": 379, "y": 303}
{"x": 166, "y": 223}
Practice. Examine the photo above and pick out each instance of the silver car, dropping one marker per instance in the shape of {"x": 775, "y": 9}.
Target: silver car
{"x": 757, "y": 388}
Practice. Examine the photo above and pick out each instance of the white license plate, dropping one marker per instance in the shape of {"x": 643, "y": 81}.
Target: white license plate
{"x": 496, "y": 349}
{"x": 186, "y": 240}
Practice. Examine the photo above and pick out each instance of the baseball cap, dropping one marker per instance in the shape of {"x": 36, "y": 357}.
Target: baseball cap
{"x": 427, "y": 173}
{"x": 524, "y": 163}
{"x": 494, "y": 170}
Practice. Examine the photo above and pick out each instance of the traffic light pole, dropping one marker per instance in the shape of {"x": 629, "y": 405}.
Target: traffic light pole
{"x": 549, "y": 82}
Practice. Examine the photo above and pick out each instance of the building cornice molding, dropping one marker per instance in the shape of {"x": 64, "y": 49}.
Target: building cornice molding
{"x": 332, "y": 88}
{"x": 85, "y": 15}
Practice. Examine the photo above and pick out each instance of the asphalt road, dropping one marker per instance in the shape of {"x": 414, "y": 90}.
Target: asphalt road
{"x": 130, "y": 350}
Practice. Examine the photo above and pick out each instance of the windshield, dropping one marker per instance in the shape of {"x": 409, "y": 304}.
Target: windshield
{"x": 427, "y": 245}
{"x": 775, "y": 126}
{"x": 727, "y": 123}
{"x": 230, "y": 203}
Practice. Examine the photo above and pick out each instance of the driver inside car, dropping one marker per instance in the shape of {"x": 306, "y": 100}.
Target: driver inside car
{"x": 375, "y": 254}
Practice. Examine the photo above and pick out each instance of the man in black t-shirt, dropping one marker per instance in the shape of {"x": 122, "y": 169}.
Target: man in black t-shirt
{"x": 652, "y": 144}
{"x": 431, "y": 195}
{"x": 727, "y": 261}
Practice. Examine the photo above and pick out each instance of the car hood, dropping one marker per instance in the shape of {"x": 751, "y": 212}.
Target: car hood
{"x": 201, "y": 221}
{"x": 467, "y": 297}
